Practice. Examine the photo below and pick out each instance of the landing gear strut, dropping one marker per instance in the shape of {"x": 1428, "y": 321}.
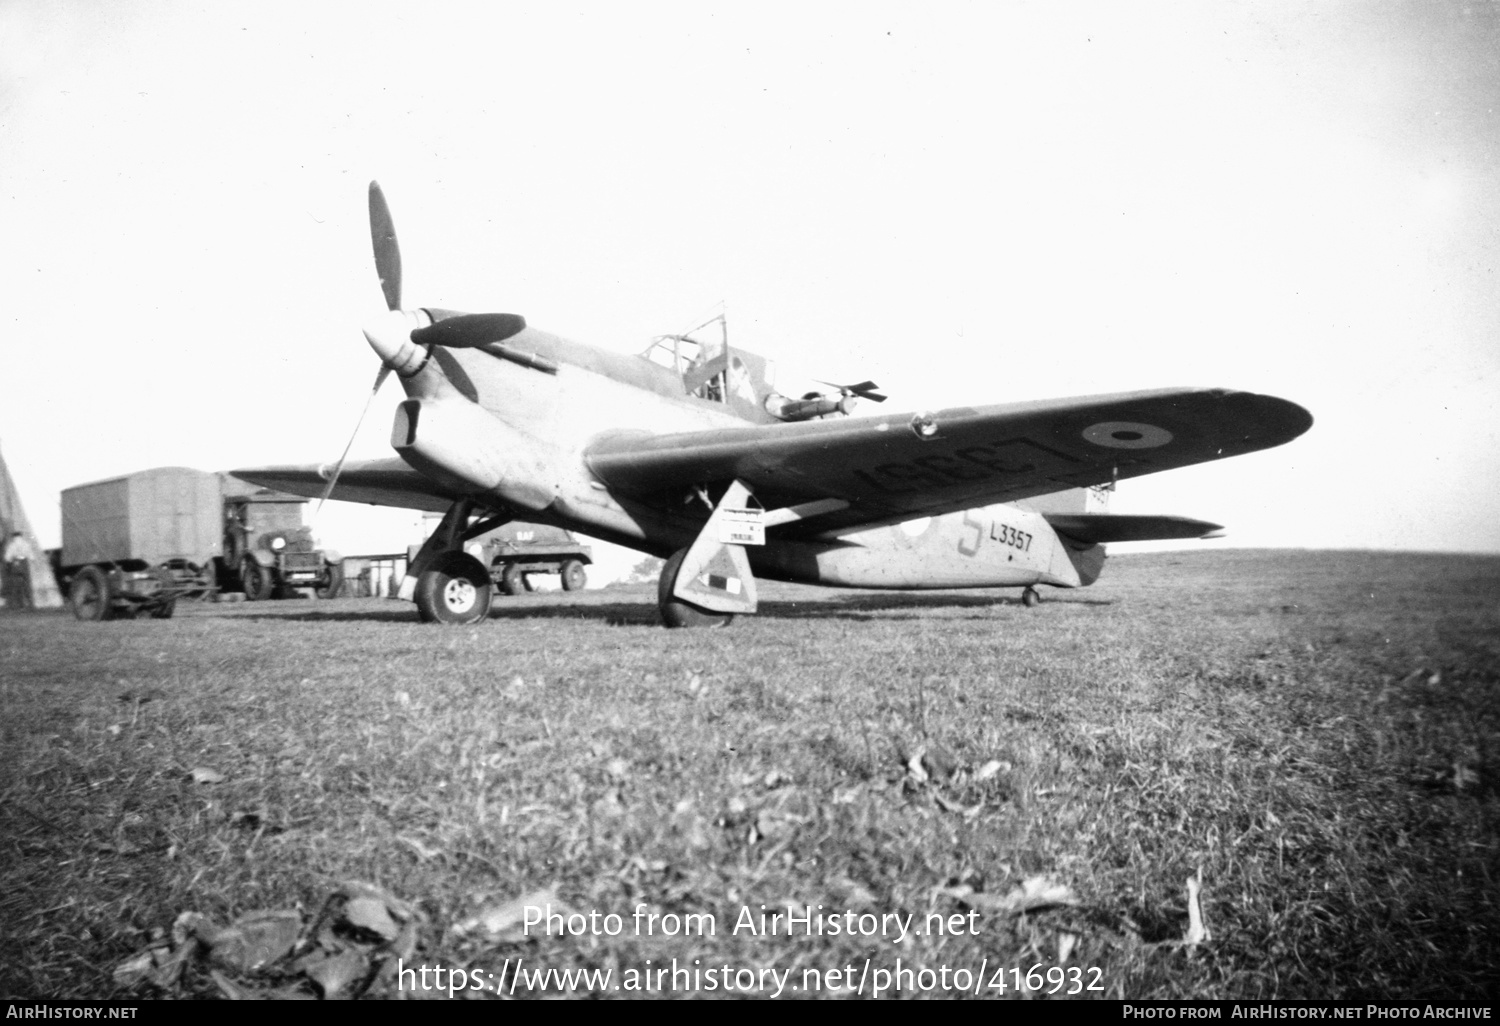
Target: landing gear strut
{"x": 448, "y": 584}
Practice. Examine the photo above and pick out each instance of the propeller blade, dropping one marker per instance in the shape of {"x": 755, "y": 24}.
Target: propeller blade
{"x": 387, "y": 251}
{"x": 468, "y": 331}
{"x": 338, "y": 467}
{"x": 865, "y": 390}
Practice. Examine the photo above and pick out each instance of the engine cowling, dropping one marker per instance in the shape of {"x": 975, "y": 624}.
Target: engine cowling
{"x": 463, "y": 447}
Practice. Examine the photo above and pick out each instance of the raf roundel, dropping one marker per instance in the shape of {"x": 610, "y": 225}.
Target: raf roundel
{"x": 1123, "y": 434}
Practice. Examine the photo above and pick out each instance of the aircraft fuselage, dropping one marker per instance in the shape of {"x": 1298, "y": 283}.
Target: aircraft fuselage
{"x": 515, "y": 438}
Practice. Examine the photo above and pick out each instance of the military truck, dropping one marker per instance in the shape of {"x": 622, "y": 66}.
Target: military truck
{"x": 141, "y": 542}
{"x": 515, "y": 551}
{"x": 138, "y": 543}
{"x": 267, "y": 551}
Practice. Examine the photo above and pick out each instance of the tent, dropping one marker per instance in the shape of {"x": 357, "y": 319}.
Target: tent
{"x": 44, "y": 593}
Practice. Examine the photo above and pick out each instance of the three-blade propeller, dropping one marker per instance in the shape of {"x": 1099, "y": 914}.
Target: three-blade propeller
{"x": 388, "y": 266}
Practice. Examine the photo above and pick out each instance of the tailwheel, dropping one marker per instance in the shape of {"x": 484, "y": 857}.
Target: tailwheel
{"x": 1031, "y": 597}
{"x": 677, "y": 613}
{"x": 456, "y": 589}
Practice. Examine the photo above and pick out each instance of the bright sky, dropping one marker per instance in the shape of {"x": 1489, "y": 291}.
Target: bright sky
{"x": 968, "y": 203}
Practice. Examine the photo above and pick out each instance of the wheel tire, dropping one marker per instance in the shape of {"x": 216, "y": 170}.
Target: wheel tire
{"x": 455, "y": 590}
{"x": 335, "y": 582}
{"x": 1031, "y": 597}
{"x": 511, "y": 580}
{"x": 573, "y": 576}
{"x": 164, "y": 611}
{"x": 89, "y": 595}
{"x": 677, "y": 613}
{"x": 258, "y": 581}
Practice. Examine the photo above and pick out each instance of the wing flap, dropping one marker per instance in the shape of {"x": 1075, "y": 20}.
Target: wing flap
{"x": 387, "y": 482}
{"x": 926, "y": 464}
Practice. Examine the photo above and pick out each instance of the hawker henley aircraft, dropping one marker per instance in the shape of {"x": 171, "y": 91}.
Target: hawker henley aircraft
{"x": 688, "y": 452}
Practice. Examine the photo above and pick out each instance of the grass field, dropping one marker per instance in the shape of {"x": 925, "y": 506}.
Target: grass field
{"x": 1313, "y": 735}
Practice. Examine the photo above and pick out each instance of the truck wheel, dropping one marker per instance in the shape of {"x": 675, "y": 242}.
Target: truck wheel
{"x": 335, "y": 582}
{"x": 573, "y": 577}
{"x": 677, "y": 613}
{"x": 258, "y": 582}
{"x": 90, "y": 595}
{"x": 455, "y": 590}
{"x": 164, "y": 611}
{"x": 512, "y": 580}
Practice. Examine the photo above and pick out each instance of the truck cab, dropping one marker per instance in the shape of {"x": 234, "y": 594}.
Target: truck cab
{"x": 267, "y": 546}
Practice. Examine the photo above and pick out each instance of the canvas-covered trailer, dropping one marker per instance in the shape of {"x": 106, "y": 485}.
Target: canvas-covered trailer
{"x": 140, "y": 542}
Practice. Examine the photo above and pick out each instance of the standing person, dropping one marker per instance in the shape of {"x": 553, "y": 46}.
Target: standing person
{"x": 18, "y": 557}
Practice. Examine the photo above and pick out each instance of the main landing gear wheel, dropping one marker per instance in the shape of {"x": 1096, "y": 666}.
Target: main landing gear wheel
{"x": 1031, "y": 597}
{"x": 257, "y": 580}
{"x": 455, "y": 590}
{"x": 677, "y": 613}
{"x": 573, "y": 578}
{"x": 89, "y": 595}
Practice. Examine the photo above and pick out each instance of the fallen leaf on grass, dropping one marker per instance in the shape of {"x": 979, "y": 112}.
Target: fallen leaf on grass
{"x": 989, "y": 769}
{"x": 254, "y": 940}
{"x": 423, "y": 852}
{"x": 134, "y": 969}
{"x": 1197, "y": 931}
{"x": 332, "y": 974}
{"x": 205, "y": 775}
{"x": 1034, "y": 893}
{"x": 914, "y": 769}
{"x": 370, "y": 914}
{"x": 967, "y": 811}
{"x": 505, "y": 923}
{"x": 856, "y": 895}
{"x": 358, "y": 936}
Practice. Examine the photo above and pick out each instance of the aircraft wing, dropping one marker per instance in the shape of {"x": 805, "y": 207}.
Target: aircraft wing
{"x": 387, "y": 482}
{"x": 902, "y": 466}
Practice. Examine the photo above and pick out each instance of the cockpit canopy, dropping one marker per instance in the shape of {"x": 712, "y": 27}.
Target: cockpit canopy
{"x": 711, "y": 369}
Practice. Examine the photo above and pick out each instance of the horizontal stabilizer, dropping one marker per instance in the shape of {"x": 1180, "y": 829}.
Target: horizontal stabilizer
{"x": 1121, "y": 527}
